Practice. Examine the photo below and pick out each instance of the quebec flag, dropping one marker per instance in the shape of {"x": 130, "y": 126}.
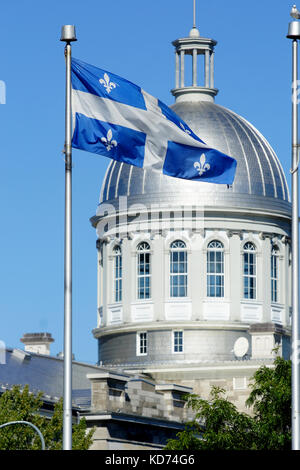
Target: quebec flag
{"x": 117, "y": 119}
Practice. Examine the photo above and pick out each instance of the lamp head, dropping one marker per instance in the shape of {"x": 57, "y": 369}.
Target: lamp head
{"x": 294, "y": 30}
{"x": 68, "y": 33}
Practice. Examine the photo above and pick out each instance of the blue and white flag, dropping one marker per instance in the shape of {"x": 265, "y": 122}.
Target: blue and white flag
{"x": 117, "y": 119}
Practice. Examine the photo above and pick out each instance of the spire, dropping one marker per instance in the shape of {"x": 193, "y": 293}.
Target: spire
{"x": 196, "y": 46}
{"x": 194, "y": 33}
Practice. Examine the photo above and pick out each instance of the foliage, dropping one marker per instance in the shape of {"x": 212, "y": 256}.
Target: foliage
{"x": 270, "y": 398}
{"x": 186, "y": 440}
{"x": 21, "y": 405}
{"x": 223, "y": 427}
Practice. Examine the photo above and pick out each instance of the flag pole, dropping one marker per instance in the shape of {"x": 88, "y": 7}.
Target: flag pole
{"x": 294, "y": 34}
{"x": 68, "y": 35}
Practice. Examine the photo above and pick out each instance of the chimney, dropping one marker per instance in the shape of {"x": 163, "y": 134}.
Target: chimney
{"x": 38, "y": 343}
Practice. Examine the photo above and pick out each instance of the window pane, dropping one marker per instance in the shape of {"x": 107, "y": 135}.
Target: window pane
{"x": 143, "y": 271}
{"x": 178, "y": 341}
{"x": 249, "y": 271}
{"x": 143, "y": 343}
{"x": 219, "y": 268}
{"x": 117, "y": 274}
{"x": 178, "y": 270}
{"x": 210, "y": 267}
{"x": 215, "y": 269}
{"x": 274, "y": 274}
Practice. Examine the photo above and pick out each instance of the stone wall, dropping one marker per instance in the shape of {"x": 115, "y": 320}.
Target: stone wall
{"x": 136, "y": 395}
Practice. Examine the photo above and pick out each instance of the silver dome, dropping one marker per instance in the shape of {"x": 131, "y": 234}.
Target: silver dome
{"x": 259, "y": 183}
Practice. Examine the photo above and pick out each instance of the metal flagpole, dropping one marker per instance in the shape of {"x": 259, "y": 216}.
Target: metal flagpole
{"x": 294, "y": 34}
{"x": 68, "y": 35}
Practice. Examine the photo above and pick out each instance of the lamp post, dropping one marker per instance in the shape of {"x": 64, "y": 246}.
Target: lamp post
{"x": 294, "y": 34}
{"x": 68, "y": 35}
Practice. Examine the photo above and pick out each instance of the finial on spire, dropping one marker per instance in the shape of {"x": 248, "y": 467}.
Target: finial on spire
{"x": 194, "y": 33}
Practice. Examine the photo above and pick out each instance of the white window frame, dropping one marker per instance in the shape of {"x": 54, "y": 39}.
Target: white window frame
{"x": 178, "y": 246}
{"x": 275, "y": 274}
{"x": 214, "y": 249}
{"x": 248, "y": 251}
{"x": 118, "y": 271}
{"x": 141, "y": 343}
{"x": 174, "y": 332}
{"x": 143, "y": 248}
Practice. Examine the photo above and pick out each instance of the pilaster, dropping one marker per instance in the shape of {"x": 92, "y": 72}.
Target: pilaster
{"x": 264, "y": 278}
{"x": 235, "y": 279}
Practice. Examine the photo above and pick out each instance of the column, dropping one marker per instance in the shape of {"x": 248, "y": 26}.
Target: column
{"x": 197, "y": 281}
{"x": 99, "y": 285}
{"x": 212, "y": 56}
{"x": 176, "y": 69}
{"x": 194, "y": 67}
{"x": 264, "y": 278}
{"x": 207, "y": 68}
{"x": 285, "y": 283}
{"x": 126, "y": 280}
{"x": 105, "y": 272}
{"x": 182, "y": 68}
{"x": 234, "y": 282}
{"x": 158, "y": 278}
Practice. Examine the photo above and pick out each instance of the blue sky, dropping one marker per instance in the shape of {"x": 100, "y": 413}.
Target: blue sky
{"x": 133, "y": 39}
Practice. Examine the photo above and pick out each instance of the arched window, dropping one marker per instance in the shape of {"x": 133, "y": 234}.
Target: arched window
{"x": 117, "y": 274}
{"x": 249, "y": 271}
{"x": 215, "y": 269}
{"x": 143, "y": 271}
{"x": 178, "y": 269}
{"x": 274, "y": 274}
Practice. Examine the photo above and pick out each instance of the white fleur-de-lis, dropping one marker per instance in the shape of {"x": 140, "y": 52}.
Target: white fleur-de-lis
{"x": 202, "y": 166}
{"x": 108, "y": 85}
{"x": 184, "y": 129}
{"x": 108, "y": 142}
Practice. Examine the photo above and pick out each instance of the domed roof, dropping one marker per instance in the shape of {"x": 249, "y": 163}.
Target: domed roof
{"x": 259, "y": 182}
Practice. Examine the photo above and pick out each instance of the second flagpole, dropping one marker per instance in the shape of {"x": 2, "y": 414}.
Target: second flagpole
{"x": 68, "y": 35}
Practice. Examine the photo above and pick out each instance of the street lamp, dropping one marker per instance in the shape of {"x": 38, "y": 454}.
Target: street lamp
{"x": 294, "y": 34}
{"x": 68, "y": 35}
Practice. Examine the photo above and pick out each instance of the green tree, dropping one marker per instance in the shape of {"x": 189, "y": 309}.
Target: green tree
{"x": 220, "y": 424}
{"x": 223, "y": 427}
{"x": 21, "y": 405}
{"x": 187, "y": 439}
{"x": 271, "y": 400}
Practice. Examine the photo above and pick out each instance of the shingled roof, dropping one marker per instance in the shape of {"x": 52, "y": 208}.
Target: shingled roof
{"x": 45, "y": 373}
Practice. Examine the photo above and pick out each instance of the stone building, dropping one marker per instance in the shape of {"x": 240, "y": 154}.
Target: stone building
{"x": 194, "y": 278}
{"x": 129, "y": 412}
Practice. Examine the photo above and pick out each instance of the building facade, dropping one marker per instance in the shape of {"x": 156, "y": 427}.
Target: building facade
{"x": 194, "y": 278}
